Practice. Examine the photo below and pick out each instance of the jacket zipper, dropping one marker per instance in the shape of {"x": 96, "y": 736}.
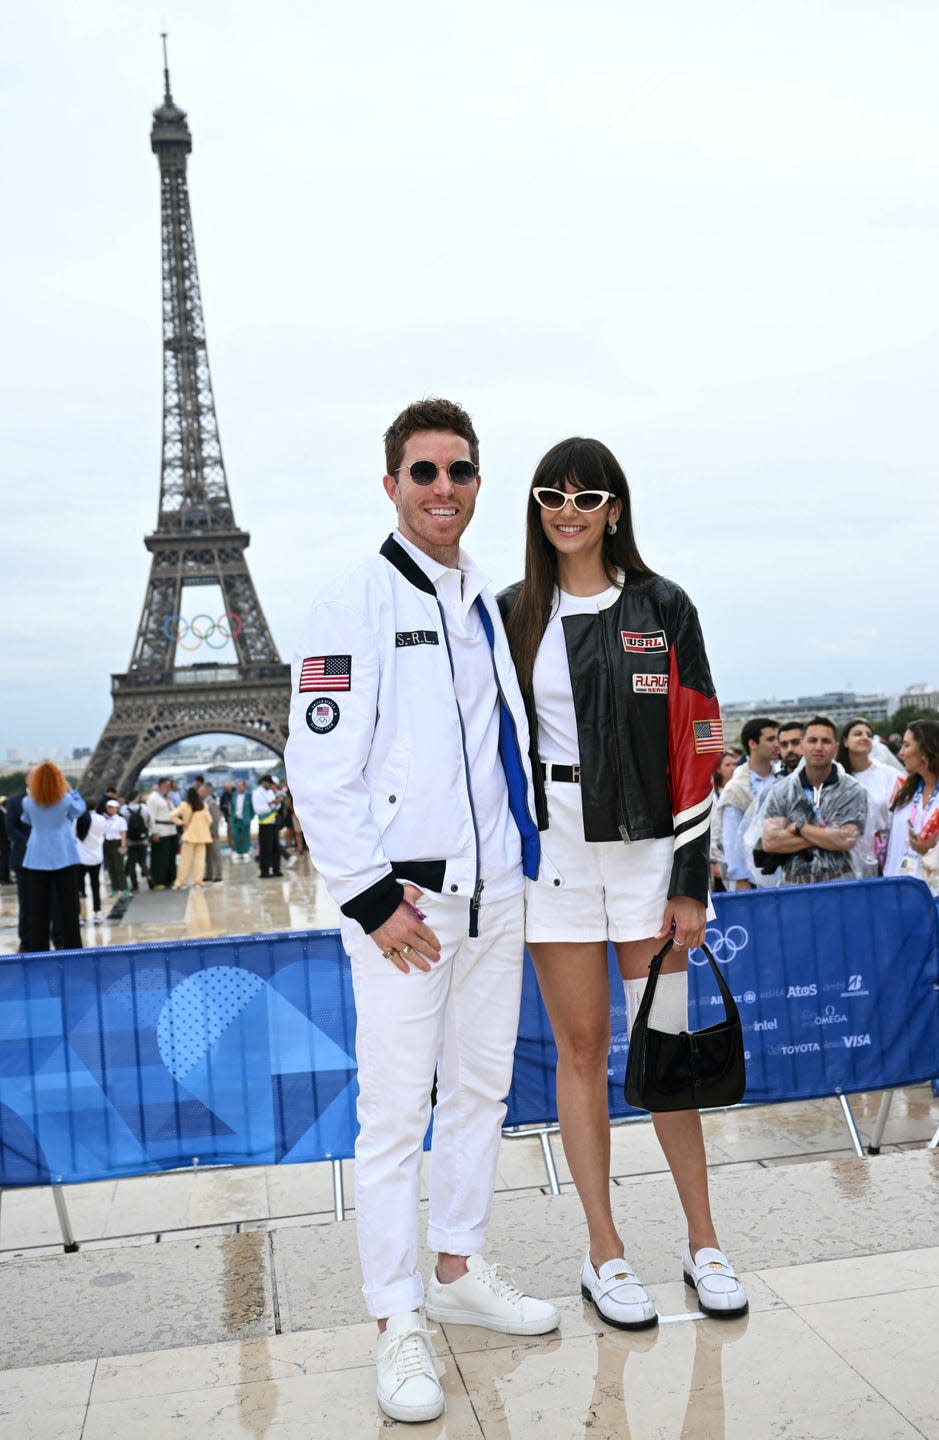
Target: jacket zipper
{"x": 477, "y": 892}
{"x": 621, "y": 827}
{"x": 508, "y": 711}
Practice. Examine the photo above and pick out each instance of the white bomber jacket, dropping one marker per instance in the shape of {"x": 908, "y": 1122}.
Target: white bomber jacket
{"x": 375, "y": 760}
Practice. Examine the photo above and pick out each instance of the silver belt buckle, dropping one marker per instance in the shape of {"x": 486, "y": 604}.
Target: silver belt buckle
{"x": 575, "y": 774}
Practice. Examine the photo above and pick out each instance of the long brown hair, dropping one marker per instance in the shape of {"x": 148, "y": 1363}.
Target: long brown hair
{"x": 926, "y": 735}
{"x": 47, "y": 784}
{"x": 588, "y": 465}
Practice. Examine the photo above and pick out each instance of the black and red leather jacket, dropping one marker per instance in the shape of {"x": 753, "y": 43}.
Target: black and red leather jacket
{"x": 648, "y": 724}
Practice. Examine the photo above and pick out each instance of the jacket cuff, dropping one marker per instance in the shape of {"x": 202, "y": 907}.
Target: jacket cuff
{"x": 376, "y": 904}
{"x": 691, "y": 869}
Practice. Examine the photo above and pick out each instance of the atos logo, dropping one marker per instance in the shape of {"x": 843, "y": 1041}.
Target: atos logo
{"x": 855, "y": 987}
{"x": 725, "y": 945}
{"x": 854, "y": 1042}
{"x": 799, "y": 992}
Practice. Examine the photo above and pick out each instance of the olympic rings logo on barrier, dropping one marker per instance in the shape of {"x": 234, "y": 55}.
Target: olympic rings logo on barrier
{"x": 202, "y": 629}
{"x": 725, "y": 944}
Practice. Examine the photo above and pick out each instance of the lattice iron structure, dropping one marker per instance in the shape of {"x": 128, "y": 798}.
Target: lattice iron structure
{"x": 196, "y": 541}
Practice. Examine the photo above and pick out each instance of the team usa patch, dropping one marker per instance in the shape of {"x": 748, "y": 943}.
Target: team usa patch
{"x": 650, "y": 684}
{"x": 643, "y": 640}
{"x": 708, "y": 736}
{"x": 322, "y": 715}
{"x": 416, "y": 637}
{"x": 326, "y": 672}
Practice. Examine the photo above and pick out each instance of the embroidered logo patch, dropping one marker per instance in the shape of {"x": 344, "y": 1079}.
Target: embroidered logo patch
{"x": 322, "y": 715}
{"x": 644, "y": 640}
{"x": 326, "y": 672}
{"x": 708, "y": 736}
{"x": 650, "y": 684}
{"x": 416, "y": 637}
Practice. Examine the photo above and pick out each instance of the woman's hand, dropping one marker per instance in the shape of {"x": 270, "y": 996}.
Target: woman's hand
{"x": 688, "y": 918}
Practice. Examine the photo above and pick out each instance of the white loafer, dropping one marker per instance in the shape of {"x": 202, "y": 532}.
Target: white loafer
{"x": 618, "y": 1294}
{"x": 720, "y": 1293}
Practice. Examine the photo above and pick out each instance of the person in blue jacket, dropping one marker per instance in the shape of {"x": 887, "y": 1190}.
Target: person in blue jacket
{"x": 52, "y": 865}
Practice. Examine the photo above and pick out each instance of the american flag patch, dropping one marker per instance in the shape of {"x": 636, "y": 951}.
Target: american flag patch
{"x": 708, "y": 736}
{"x": 326, "y": 672}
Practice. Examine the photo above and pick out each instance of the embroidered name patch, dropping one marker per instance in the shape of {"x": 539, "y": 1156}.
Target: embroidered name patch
{"x": 416, "y": 637}
{"x": 708, "y": 736}
{"x": 650, "y": 684}
{"x": 644, "y": 640}
{"x": 322, "y": 715}
{"x": 326, "y": 672}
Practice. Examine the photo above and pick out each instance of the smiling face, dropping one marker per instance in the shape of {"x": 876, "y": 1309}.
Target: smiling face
{"x": 433, "y": 517}
{"x": 573, "y": 533}
{"x": 859, "y": 741}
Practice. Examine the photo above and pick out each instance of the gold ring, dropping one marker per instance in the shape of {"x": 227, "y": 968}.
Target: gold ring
{"x": 405, "y": 951}
{"x": 387, "y": 954}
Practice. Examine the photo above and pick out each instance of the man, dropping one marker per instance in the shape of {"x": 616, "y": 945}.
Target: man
{"x": 760, "y": 739}
{"x": 407, "y": 765}
{"x": 162, "y": 835}
{"x": 18, "y": 831}
{"x": 815, "y": 816}
{"x": 264, "y": 803}
{"x": 115, "y": 845}
{"x": 138, "y": 837}
{"x": 240, "y": 815}
{"x": 790, "y": 745}
{"x": 213, "y": 855}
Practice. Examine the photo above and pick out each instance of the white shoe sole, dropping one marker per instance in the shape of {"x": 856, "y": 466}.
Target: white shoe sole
{"x": 492, "y": 1322}
{"x": 412, "y": 1413}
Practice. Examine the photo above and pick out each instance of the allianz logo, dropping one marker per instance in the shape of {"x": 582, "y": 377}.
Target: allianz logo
{"x": 853, "y": 1042}
{"x": 808, "y": 1047}
{"x": 766, "y": 1024}
{"x": 799, "y": 992}
{"x": 831, "y": 1017}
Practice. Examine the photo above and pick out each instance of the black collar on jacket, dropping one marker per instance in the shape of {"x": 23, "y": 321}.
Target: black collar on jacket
{"x": 397, "y": 556}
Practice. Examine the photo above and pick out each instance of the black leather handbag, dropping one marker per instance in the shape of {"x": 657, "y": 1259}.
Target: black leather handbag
{"x": 696, "y": 1070}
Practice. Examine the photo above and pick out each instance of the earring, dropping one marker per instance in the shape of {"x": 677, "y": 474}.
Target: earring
{"x": 611, "y": 528}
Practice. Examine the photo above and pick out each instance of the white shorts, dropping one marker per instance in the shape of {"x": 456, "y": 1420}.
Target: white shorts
{"x": 596, "y": 890}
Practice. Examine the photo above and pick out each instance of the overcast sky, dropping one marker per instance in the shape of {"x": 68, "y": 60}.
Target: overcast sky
{"x": 705, "y": 234}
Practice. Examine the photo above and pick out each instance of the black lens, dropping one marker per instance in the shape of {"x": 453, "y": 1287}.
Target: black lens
{"x": 549, "y": 499}
{"x": 461, "y": 472}
{"x": 423, "y": 472}
{"x": 587, "y": 500}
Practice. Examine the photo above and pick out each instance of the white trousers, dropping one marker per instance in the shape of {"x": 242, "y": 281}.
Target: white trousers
{"x": 462, "y": 1019}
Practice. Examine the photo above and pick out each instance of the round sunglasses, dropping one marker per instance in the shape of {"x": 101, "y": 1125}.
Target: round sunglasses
{"x": 583, "y": 500}
{"x": 425, "y": 472}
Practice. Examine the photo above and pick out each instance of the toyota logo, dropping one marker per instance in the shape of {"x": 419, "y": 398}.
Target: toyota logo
{"x": 725, "y": 945}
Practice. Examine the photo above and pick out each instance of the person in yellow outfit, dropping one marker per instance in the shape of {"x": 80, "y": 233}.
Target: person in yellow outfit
{"x": 196, "y": 821}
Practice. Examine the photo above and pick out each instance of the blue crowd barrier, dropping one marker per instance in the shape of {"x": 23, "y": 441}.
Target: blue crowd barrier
{"x": 127, "y": 1060}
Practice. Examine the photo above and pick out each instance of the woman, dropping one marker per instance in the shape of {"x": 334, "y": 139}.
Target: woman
{"x": 52, "y": 865}
{"x": 625, "y": 725}
{"x": 196, "y": 821}
{"x": 721, "y": 773}
{"x": 914, "y": 833}
{"x": 89, "y": 834}
{"x": 880, "y": 782}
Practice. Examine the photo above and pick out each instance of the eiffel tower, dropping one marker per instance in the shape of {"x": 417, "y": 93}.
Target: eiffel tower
{"x": 196, "y": 542}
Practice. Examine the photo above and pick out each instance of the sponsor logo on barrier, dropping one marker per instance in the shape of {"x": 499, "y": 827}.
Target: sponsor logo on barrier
{"x": 746, "y": 1055}
{"x": 855, "y": 987}
{"x": 772, "y": 994}
{"x": 808, "y": 1047}
{"x": 750, "y": 997}
{"x": 719, "y": 1000}
{"x": 854, "y": 1042}
{"x": 800, "y": 992}
{"x": 830, "y": 1017}
{"x": 725, "y": 945}
{"x": 766, "y": 1024}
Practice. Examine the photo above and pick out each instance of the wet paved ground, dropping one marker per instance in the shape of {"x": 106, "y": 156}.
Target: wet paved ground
{"x": 225, "y": 1303}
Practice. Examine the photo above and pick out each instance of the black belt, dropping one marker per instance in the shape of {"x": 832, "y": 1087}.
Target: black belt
{"x": 570, "y": 773}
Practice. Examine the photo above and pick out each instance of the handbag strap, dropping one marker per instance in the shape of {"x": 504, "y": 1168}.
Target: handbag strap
{"x": 655, "y": 967}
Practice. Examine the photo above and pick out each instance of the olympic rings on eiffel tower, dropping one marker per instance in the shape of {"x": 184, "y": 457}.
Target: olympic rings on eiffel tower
{"x": 202, "y": 629}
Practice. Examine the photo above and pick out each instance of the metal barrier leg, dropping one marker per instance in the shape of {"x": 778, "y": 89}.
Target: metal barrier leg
{"x": 339, "y": 1201}
{"x": 934, "y": 1142}
{"x": 877, "y": 1134}
{"x": 68, "y": 1239}
{"x": 549, "y": 1164}
{"x": 851, "y": 1123}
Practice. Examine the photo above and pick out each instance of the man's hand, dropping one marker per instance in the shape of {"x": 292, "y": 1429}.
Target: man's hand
{"x": 689, "y": 918}
{"x": 404, "y": 939}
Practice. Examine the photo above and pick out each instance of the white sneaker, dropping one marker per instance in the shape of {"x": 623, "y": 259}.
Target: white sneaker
{"x": 484, "y": 1297}
{"x": 618, "y": 1294}
{"x": 408, "y": 1383}
{"x": 98, "y": 919}
{"x": 720, "y": 1293}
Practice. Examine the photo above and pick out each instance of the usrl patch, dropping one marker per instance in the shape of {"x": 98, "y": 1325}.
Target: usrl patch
{"x": 708, "y": 736}
{"x": 650, "y": 684}
{"x": 641, "y": 640}
{"x": 322, "y": 715}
